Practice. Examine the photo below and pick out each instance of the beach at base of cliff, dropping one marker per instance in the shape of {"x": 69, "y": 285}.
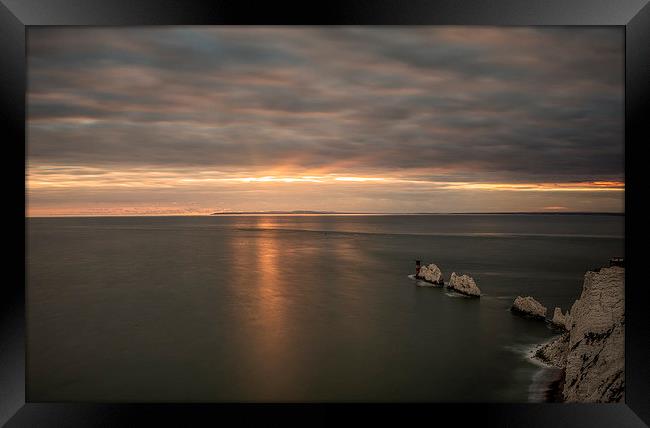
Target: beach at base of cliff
{"x": 553, "y": 393}
{"x": 548, "y": 382}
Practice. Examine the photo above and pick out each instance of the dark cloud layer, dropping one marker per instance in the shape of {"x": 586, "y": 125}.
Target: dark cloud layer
{"x": 514, "y": 104}
{"x": 144, "y": 108}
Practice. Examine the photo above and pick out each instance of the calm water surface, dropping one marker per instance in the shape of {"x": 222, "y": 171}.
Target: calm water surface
{"x": 296, "y": 308}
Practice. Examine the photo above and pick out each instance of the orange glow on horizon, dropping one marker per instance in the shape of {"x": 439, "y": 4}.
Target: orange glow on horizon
{"x": 97, "y": 191}
{"x": 84, "y": 177}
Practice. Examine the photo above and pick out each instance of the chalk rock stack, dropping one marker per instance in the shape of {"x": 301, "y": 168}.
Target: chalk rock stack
{"x": 592, "y": 351}
{"x": 431, "y": 273}
{"x": 464, "y": 284}
{"x": 560, "y": 320}
{"x": 528, "y": 307}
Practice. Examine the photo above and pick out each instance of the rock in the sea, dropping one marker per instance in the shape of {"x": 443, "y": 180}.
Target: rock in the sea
{"x": 464, "y": 284}
{"x": 529, "y": 307}
{"x": 560, "y": 320}
{"x": 554, "y": 352}
{"x": 431, "y": 273}
{"x": 595, "y": 367}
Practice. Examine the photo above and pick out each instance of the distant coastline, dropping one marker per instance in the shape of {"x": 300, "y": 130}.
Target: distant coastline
{"x": 333, "y": 213}
{"x": 305, "y": 212}
{"x": 280, "y": 212}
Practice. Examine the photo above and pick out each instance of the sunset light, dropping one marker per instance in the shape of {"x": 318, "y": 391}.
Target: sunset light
{"x": 356, "y": 120}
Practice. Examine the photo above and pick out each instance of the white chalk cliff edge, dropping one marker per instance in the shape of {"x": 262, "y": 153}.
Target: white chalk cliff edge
{"x": 591, "y": 352}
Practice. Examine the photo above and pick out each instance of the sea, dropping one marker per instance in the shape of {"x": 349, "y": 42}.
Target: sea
{"x": 298, "y": 308}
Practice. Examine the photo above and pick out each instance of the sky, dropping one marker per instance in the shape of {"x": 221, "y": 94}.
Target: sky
{"x": 196, "y": 120}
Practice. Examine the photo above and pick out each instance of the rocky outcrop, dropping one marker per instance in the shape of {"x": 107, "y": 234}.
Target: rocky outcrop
{"x": 560, "y": 321}
{"x": 464, "y": 284}
{"x": 592, "y": 351}
{"x": 595, "y": 361}
{"x": 528, "y": 307}
{"x": 554, "y": 353}
{"x": 431, "y": 273}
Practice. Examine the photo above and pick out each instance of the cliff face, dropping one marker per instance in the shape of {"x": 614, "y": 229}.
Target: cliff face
{"x": 592, "y": 351}
{"x": 595, "y": 359}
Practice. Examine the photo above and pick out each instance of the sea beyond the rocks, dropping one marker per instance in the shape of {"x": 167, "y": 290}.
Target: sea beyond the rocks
{"x": 298, "y": 307}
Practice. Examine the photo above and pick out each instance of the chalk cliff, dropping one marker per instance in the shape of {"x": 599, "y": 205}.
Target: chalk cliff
{"x": 592, "y": 351}
{"x": 464, "y": 284}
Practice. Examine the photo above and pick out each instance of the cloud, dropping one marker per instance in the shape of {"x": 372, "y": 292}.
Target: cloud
{"x": 476, "y": 104}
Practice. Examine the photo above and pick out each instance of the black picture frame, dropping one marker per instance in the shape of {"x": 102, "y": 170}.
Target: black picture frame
{"x": 16, "y": 15}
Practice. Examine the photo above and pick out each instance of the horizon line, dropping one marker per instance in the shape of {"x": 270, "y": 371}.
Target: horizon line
{"x": 333, "y": 213}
